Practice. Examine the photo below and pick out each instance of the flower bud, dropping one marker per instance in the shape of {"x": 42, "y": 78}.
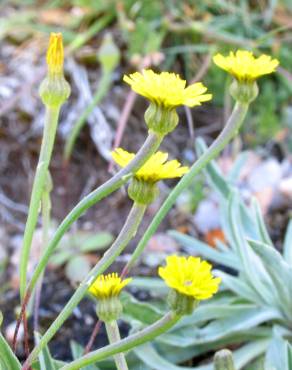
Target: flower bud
{"x": 223, "y": 360}
{"x": 142, "y": 192}
{"x": 54, "y": 89}
{"x": 108, "y": 53}
{"x": 160, "y": 119}
{"x": 244, "y": 92}
{"x": 181, "y": 303}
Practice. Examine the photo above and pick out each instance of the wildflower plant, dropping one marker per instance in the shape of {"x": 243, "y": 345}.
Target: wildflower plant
{"x": 190, "y": 279}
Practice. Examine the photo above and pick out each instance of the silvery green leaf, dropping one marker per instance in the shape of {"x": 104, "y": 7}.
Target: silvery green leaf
{"x": 239, "y": 323}
{"x": 46, "y": 361}
{"x": 263, "y": 233}
{"x": 142, "y": 311}
{"x": 240, "y": 287}
{"x": 280, "y": 272}
{"x": 78, "y": 351}
{"x": 197, "y": 247}
{"x": 224, "y": 187}
{"x": 212, "y": 171}
{"x": 279, "y": 355}
{"x": 237, "y": 166}
{"x": 155, "y": 285}
{"x": 247, "y": 353}
{"x": 154, "y": 360}
{"x": 253, "y": 269}
{"x": 205, "y": 313}
{"x": 287, "y": 246}
{"x": 8, "y": 360}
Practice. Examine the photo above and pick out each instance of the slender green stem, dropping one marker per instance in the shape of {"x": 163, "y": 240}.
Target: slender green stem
{"x": 46, "y": 221}
{"x": 127, "y": 233}
{"x": 134, "y": 340}
{"x": 101, "y": 91}
{"x": 50, "y": 128}
{"x": 149, "y": 147}
{"x": 114, "y": 336}
{"x": 229, "y": 131}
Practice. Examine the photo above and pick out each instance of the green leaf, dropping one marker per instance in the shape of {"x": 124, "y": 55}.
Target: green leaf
{"x": 151, "y": 357}
{"x": 142, "y": 311}
{"x": 46, "y": 362}
{"x": 155, "y": 285}
{"x": 253, "y": 269}
{"x": 287, "y": 246}
{"x": 7, "y": 357}
{"x": 77, "y": 268}
{"x": 265, "y": 238}
{"x": 239, "y": 286}
{"x": 280, "y": 273}
{"x": 96, "y": 242}
{"x": 237, "y": 166}
{"x": 77, "y": 352}
{"x": 238, "y": 323}
{"x": 215, "y": 178}
{"x": 278, "y": 356}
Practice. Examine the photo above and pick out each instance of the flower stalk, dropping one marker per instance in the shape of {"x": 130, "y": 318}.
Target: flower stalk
{"x": 229, "y": 131}
{"x": 126, "y": 344}
{"x": 51, "y": 122}
{"x": 54, "y": 91}
{"x": 114, "y": 336}
{"x": 127, "y": 233}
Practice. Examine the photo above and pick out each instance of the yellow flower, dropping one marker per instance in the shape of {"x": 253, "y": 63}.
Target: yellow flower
{"x": 108, "y": 286}
{"x": 155, "y": 169}
{"x": 55, "y": 53}
{"x": 167, "y": 89}
{"x": 244, "y": 66}
{"x": 190, "y": 277}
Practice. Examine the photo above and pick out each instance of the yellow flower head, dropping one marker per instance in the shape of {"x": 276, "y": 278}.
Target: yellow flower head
{"x": 108, "y": 286}
{"x": 244, "y": 66}
{"x": 190, "y": 276}
{"x": 167, "y": 89}
{"x": 55, "y": 53}
{"x": 155, "y": 169}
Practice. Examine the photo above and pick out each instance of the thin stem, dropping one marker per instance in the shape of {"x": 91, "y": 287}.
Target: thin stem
{"x": 92, "y": 337}
{"x": 127, "y": 233}
{"x": 149, "y": 147}
{"x": 229, "y": 131}
{"x": 51, "y": 121}
{"x": 114, "y": 336}
{"x": 101, "y": 91}
{"x": 143, "y": 336}
{"x": 46, "y": 220}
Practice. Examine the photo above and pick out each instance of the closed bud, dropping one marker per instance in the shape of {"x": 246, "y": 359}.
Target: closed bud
{"x": 142, "y": 192}
{"x": 108, "y": 54}
{"x": 223, "y": 360}
{"x": 160, "y": 119}
{"x": 244, "y": 92}
{"x": 54, "y": 89}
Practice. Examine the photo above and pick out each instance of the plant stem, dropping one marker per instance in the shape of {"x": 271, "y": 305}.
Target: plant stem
{"x": 46, "y": 220}
{"x": 114, "y": 336}
{"x": 149, "y": 147}
{"x": 143, "y": 336}
{"x": 229, "y": 131}
{"x": 50, "y": 128}
{"x": 126, "y": 234}
{"x": 101, "y": 91}
{"x": 92, "y": 337}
